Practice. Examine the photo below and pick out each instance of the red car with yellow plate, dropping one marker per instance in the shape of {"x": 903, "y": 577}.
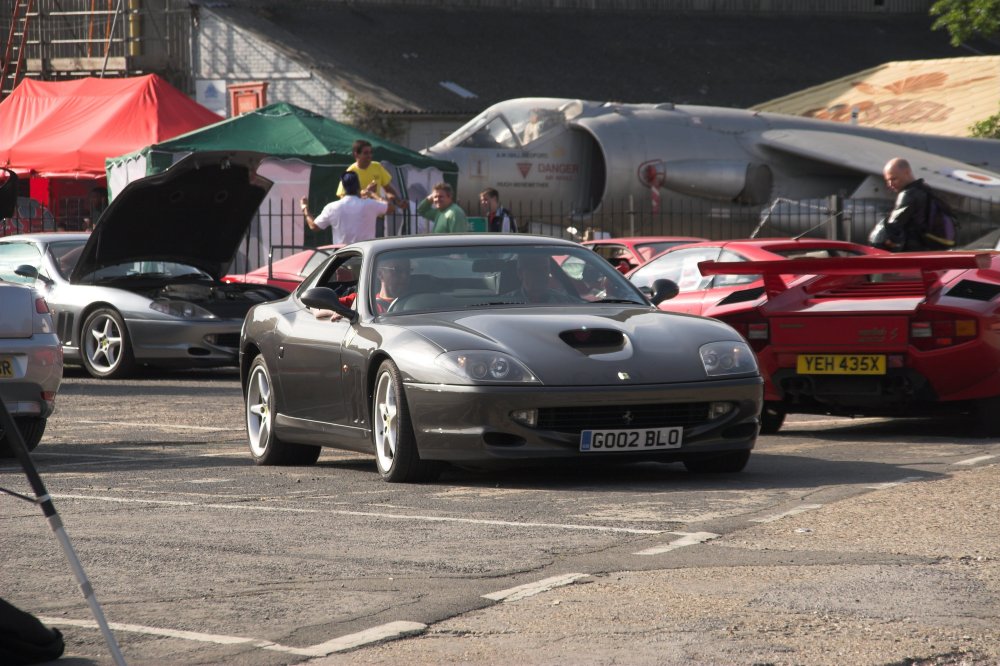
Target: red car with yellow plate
{"x": 891, "y": 335}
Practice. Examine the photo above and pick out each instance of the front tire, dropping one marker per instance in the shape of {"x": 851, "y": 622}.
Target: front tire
{"x": 265, "y": 447}
{"x": 31, "y": 432}
{"x": 105, "y": 345}
{"x": 392, "y": 432}
{"x": 772, "y": 417}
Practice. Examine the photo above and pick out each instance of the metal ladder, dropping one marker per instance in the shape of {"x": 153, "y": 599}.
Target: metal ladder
{"x": 12, "y": 65}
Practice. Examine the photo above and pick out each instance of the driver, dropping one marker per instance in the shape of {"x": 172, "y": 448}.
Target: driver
{"x": 394, "y": 276}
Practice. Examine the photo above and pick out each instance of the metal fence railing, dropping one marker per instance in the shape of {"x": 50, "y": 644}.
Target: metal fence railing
{"x": 281, "y": 222}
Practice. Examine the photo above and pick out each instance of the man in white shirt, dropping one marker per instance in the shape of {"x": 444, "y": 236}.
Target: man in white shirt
{"x": 351, "y": 218}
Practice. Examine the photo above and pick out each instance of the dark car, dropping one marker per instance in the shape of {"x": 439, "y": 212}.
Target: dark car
{"x": 500, "y": 349}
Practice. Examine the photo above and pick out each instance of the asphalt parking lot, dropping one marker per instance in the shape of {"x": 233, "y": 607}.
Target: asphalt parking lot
{"x": 868, "y": 540}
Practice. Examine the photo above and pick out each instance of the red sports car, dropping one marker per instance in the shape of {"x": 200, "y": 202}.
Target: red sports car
{"x": 286, "y": 273}
{"x": 626, "y": 254}
{"x": 891, "y": 335}
{"x": 700, "y": 292}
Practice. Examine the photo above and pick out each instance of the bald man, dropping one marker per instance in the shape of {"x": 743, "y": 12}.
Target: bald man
{"x": 904, "y": 226}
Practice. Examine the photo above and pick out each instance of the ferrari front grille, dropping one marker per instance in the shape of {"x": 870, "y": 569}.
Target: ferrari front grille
{"x": 625, "y": 417}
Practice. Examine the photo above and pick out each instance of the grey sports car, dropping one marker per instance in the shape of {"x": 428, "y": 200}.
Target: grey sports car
{"x": 144, "y": 287}
{"x": 485, "y": 349}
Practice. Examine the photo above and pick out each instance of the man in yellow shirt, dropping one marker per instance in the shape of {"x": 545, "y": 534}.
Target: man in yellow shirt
{"x": 372, "y": 174}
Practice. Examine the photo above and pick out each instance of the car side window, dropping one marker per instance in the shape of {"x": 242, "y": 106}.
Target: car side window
{"x": 679, "y": 266}
{"x": 341, "y": 275}
{"x": 13, "y": 255}
{"x": 733, "y": 280}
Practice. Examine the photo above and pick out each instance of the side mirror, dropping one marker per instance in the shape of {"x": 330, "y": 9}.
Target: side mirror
{"x": 31, "y": 272}
{"x": 664, "y": 290}
{"x": 324, "y": 298}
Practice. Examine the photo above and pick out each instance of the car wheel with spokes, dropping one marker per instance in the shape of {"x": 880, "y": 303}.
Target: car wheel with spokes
{"x": 265, "y": 447}
{"x": 105, "y": 345}
{"x": 392, "y": 433}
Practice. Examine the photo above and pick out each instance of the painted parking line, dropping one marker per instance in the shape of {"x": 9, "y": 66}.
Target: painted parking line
{"x": 687, "y": 539}
{"x": 364, "y": 514}
{"x": 531, "y": 589}
{"x": 974, "y": 461}
{"x": 381, "y": 633}
{"x": 791, "y": 512}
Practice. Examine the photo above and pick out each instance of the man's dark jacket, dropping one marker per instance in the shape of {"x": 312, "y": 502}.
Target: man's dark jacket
{"x": 908, "y": 218}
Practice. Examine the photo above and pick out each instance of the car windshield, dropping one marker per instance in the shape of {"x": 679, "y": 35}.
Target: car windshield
{"x": 450, "y": 278}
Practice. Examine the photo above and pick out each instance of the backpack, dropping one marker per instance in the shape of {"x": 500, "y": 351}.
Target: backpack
{"x": 941, "y": 228}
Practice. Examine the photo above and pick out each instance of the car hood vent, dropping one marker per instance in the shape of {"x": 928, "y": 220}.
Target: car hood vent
{"x": 594, "y": 340}
{"x": 978, "y": 291}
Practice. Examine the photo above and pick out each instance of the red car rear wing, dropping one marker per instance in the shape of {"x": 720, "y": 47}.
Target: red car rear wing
{"x": 930, "y": 264}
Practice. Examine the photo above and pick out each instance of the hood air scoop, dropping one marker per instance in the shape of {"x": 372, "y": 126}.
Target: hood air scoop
{"x": 594, "y": 340}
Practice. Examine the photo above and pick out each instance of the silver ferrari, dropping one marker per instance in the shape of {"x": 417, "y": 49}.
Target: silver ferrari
{"x": 144, "y": 287}
{"x": 491, "y": 349}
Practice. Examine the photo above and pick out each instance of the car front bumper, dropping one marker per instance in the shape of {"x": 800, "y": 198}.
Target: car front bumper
{"x": 474, "y": 423}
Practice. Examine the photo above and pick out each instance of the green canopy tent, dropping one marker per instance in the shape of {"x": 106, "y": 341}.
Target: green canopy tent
{"x": 310, "y": 153}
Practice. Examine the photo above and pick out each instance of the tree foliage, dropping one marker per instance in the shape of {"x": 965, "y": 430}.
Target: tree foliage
{"x": 987, "y": 129}
{"x": 368, "y": 118}
{"x": 965, "y": 19}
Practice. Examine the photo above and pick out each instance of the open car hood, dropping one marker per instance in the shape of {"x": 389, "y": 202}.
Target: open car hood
{"x": 196, "y": 212}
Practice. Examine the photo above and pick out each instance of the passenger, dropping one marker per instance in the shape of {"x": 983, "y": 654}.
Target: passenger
{"x": 533, "y": 272}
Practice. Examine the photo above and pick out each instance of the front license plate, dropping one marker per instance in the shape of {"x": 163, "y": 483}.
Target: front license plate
{"x": 7, "y": 367}
{"x": 631, "y": 440}
{"x": 840, "y": 364}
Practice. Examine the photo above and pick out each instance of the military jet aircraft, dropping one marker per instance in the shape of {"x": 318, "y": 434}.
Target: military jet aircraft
{"x": 579, "y": 155}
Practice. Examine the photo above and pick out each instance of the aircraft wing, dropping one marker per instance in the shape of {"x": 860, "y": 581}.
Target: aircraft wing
{"x": 868, "y": 155}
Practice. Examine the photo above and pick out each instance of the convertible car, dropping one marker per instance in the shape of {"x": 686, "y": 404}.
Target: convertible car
{"x": 484, "y": 350}
{"x": 143, "y": 288}
{"x": 888, "y": 335}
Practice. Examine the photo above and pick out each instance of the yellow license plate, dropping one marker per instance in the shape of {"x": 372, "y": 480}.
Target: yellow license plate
{"x": 840, "y": 364}
{"x": 7, "y": 367}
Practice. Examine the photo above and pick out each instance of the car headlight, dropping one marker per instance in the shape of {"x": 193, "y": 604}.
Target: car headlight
{"x": 487, "y": 367}
{"x": 727, "y": 358}
{"x": 181, "y": 309}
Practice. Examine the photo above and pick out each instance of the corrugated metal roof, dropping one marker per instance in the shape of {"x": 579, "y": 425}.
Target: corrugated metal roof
{"x": 944, "y": 96}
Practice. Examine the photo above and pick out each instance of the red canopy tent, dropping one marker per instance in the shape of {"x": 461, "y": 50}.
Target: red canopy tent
{"x": 60, "y": 133}
{"x": 66, "y": 129}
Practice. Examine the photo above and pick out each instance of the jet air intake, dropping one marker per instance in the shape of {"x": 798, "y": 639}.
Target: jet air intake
{"x": 728, "y": 180}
